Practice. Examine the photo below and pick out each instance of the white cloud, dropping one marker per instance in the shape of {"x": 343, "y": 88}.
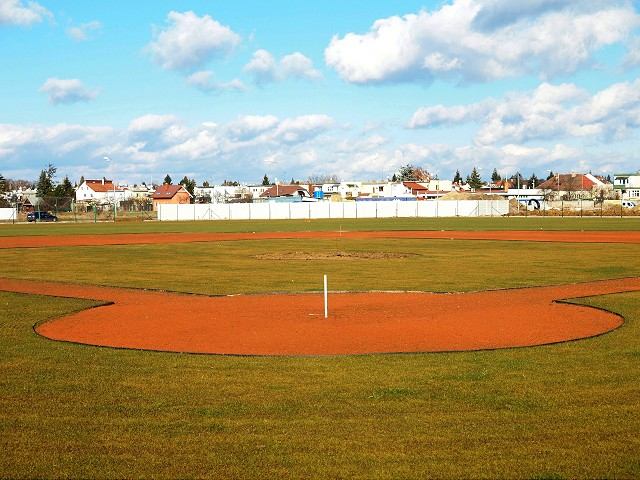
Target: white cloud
{"x": 82, "y": 32}
{"x": 205, "y": 82}
{"x": 190, "y": 41}
{"x": 302, "y": 128}
{"x": 249, "y": 146}
{"x": 548, "y": 112}
{"x": 436, "y": 115}
{"x": 632, "y": 58}
{"x": 16, "y": 12}
{"x": 265, "y": 69}
{"x": 471, "y": 41}
{"x": 151, "y": 122}
{"x": 296, "y": 65}
{"x": 250, "y": 126}
{"x": 67, "y": 91}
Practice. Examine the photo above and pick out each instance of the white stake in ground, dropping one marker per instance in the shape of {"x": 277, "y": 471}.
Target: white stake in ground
{"x": 326, "y": 298}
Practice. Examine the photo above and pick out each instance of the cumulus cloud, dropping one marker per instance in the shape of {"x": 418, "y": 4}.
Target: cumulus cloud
{"x": 499, "y": 13}
{"x": 437, "y": 115}
{"x": 190, "y": 41}
{"x": 265, "y": 69}
{"x": 475, "y": 41}
{"x": 548, "y": 112}
{"x": 250, "y": 126}
{"x": 17, "y": 12}
{"x": 632, "y": 58}
{"x": 67, "y": 91}
{"x": 204, "y": 81}
{"x": 81, "y": 33}
{"x": 247, "y": 147}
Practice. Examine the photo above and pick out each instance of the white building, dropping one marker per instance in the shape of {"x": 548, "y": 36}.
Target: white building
{"x": 100, "y": 191}
{"x": 222, "y": 193}
{"x": 628, "y": 184}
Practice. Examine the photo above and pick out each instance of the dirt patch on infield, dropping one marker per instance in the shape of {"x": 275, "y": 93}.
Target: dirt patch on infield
{"x": 359, "y": 323}
{"x": 332, "y": 256}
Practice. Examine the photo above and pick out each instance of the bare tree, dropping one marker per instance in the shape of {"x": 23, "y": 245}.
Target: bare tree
{"x": 319, "y": 179}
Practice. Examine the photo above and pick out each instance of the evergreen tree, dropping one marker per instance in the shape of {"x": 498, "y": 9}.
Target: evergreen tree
{"x": 533, "y": 181}
{"x": 410, "y": 173}
{"x": 551, "y": 174}
{"x": 495, "y": 176}
{"x": 265, "y": 180}
{"x": 3, "y": 184}
{"x": 44, "y": 186}
{"x": 189, "y": 184}
{"x": 457, "y": 178}
{"x": 474, "y": 180}
{"x": 517, "y": 180}
{"x": 167, "y": 180}
{"x": 205, "y": 184}
{"x": 394, "y": 178}
{"x": 81, "y": 180}
{"x": 64, "y": 189}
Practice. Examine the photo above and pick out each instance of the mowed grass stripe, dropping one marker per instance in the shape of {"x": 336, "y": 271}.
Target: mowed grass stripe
{"x": 237, "y": 267}
{"x": 451, "y": 223}
{"x": 561, "y": 411}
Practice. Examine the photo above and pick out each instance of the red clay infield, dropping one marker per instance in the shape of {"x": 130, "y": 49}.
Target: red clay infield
{"x": 150, "y": 238}
{"x": 359, "y": 322}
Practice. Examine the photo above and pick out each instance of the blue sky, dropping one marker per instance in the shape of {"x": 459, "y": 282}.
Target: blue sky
{"x": 233, "y": 90}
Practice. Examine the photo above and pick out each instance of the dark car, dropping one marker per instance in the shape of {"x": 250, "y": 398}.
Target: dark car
{"x": 41, "y": 217}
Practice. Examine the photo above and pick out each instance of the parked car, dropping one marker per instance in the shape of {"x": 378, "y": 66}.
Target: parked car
{"x": 628, "y": 204}
{"x": 41, "y": 217}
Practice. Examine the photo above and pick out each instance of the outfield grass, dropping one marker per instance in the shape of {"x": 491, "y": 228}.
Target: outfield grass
{"x": 560, "y": 411}
{"x": 451, "y": 223}
{"x": 232, "y": 267}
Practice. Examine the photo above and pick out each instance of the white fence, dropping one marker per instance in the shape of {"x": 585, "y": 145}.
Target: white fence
{"x": 8, "y": 214}
{"x": 313, "y": 210}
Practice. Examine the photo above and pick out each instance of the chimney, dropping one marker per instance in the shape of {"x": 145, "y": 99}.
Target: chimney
{"x": 102, "y": 180}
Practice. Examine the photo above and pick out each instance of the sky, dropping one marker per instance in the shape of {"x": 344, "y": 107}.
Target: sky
{"x": 233, "y": 90}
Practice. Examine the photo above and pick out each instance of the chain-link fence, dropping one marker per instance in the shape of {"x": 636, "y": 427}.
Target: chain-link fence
{"x": 66, "y": 209}
{"x": 589, "y": 207}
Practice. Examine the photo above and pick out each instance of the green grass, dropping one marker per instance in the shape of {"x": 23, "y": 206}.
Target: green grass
{"x": 232, "y": 267}
{"x": 561, "y": 411}
{"x": 495, "y": 223}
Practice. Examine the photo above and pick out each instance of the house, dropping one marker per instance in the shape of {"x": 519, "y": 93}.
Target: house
{"x": 170, "y": 194}
{"x": 429, "y": 190}
{"x": 571, "y": 186}
{"x": 627, "y": 184}
{"x": 286, "y": 193}
{"x": 100, "y": 191}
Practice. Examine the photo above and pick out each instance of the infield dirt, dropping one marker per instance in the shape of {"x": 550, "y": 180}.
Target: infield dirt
{"x": 359, "y": 323}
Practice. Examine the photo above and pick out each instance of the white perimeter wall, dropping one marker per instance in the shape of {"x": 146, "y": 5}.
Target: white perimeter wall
{"x": 286, "y": 211}
{"x": 8, "y": 214}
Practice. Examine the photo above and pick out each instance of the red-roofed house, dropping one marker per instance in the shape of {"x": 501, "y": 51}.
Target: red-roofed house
{"x": 100, "y": 191}
{"x": 571, "y": 185}
{"x": 279, "y": 191}
{"x": 170, "y": 194}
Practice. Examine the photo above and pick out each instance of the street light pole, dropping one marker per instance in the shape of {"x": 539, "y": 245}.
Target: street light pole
{"x": 107, "y": 159}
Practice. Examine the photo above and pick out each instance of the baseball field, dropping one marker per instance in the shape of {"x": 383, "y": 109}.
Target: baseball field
{"x": 496, "y": 347}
